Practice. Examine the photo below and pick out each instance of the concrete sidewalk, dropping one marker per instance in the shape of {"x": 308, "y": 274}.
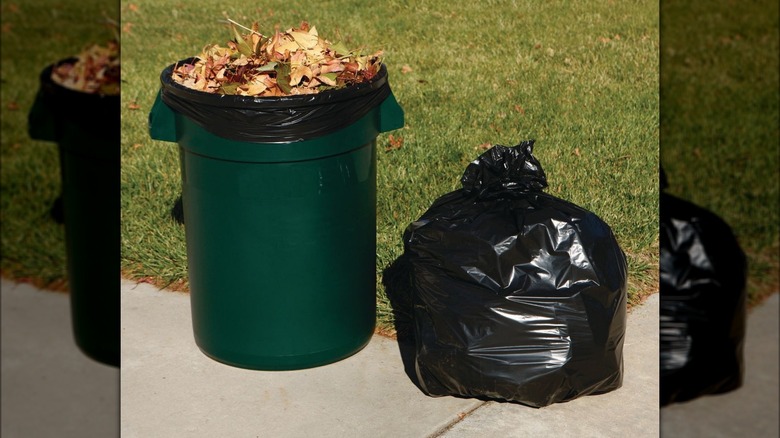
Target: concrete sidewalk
{"x": 49, "y": 387}
{"x": 170, "y": 389}
{"x": 750, "y": 411}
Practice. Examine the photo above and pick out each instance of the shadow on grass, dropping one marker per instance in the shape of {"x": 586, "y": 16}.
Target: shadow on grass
{"x": 177, "y": 211}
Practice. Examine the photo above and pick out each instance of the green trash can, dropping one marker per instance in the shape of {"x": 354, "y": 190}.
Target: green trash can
{"x": 86, "y": 128}
{"x": 280, "y": 219}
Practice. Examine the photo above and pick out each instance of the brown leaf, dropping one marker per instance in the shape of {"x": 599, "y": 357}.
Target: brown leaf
{"x": 127, "y": 28}
{"x": 133, "y": 7}
{"x": 304, "y": 39}
{"x": 7, "y": 27}
{"x": 296, "y": 61}
{"x": 394, "y": 143}
{"x": 406, "y": 69}
{"x": 133, "y": 106}
{"x": 577, "y": 151}
{"x": 12, "y": 106}
{"x": 519, "y": 109}
{"x": 483, "y": 146}
{"x": 136, "y": 146}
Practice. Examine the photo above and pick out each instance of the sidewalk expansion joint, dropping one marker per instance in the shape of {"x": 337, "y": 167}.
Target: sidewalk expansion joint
{"x": 461, "y": 416}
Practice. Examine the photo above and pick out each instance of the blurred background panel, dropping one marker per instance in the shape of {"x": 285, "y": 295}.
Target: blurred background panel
{"x": 49, "y": 385}
{"x": 720, "y": 151}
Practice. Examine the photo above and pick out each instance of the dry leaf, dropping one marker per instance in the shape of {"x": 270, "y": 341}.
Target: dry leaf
{"x": 394, "y": 143}
{"x": 519, "y": 109}
{"x": 484, "y": 146}
{"x": 406, "y": 69}
{"x": 293, "y": 62}
{"x": 304, "y": 39}
{"x": 12, "y": 106}
{"x": 133, "y": 7}
{"x": 133, "y": 106}
{"x": 96, "y": 70}
{"x": 577, "y": 151}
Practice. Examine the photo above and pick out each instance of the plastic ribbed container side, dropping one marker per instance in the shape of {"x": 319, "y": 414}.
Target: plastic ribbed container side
{"x": 281, "y": 238}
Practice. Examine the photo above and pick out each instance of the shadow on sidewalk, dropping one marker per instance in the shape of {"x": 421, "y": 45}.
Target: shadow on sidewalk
{"x": 397, "y": 281}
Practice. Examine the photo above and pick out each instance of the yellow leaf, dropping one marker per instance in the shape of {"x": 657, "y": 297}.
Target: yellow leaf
{"x": 327, "y": 79}
{"x": 298, "y": 73}
{"x": 255, "y": 88}
{"x": 305, "y": 39}
{"x": 286, "y": 45}
{"x": 298, "y": 58}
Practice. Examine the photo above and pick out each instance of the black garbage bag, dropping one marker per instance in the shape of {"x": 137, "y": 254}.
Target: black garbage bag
{"x": 281, "y": 119}
{"x": 703, "y": 274}
{"x": 517, "y": 295}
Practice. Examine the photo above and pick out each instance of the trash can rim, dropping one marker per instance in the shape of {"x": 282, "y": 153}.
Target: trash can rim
{"x": 252, "y": 102}
{"x": 49, "y": 84}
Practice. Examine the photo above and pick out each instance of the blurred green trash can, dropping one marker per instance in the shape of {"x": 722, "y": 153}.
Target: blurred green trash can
{"x": 86, "y": 128}
{"x": 279, "y": 198}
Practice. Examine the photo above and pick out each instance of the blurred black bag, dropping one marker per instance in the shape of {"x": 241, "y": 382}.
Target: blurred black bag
{"x": 703, "y": 274}
{"x": 517, "y": 295}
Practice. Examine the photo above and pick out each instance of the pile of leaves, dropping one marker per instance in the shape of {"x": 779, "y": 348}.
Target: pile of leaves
{"x": 293, "y": 62}
{"x": 96, "y": 70}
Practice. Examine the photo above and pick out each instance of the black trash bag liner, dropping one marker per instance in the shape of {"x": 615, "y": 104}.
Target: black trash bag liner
{"x": 517, "y": 295}
{"x": 57, "y": 107}
{"x": 284, "y": 119}
{"x": 703, "y": 274}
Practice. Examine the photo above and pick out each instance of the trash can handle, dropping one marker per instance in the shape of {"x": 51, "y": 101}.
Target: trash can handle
{"x": 41, "y": 124}
{"x": 391, "y": 115}
{"x": 162, "y": 121}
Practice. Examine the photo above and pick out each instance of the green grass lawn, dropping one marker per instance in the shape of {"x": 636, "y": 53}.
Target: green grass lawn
{"x": 581, "y": 79}
{"x": 36, "y": 34}
{"x": 720, "y": 120}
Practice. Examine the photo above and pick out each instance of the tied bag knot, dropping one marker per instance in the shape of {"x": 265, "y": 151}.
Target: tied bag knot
{"x": 503, "y": 170}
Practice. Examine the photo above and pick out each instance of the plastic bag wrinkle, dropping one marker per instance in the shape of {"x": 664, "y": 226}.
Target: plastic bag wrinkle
{"x": 285, "y": 119}
{"x": 517, "y": 295}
